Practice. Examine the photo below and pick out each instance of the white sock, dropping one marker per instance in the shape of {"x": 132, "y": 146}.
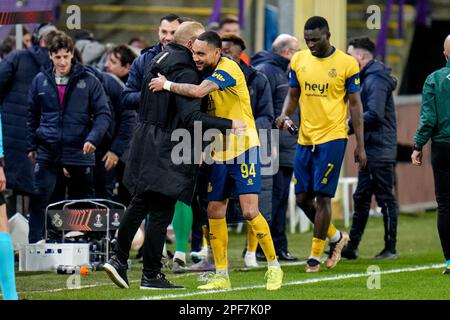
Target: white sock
{"x": 250, "y": 254}
{"x": 180, "y": 255}
{"x": 273, "y": 263}
{"x": 336, "y": 237}
{"x": 164, "y": 252}
{"x": 222, "y": 272}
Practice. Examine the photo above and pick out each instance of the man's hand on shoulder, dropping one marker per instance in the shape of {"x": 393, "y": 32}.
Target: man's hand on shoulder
{"x": 157, "y": 84}
{"x": 238, "y": 127}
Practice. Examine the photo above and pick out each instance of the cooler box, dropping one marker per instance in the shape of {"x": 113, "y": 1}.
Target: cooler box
{"x": 47, "y": 256}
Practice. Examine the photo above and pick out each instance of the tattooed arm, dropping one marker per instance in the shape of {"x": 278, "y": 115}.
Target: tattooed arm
{"x": 183, "y": 89}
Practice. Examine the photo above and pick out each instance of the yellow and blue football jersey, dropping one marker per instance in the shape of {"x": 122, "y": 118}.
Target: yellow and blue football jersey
{"x": 324, "y": 84}
{"x": 232, "y": 101}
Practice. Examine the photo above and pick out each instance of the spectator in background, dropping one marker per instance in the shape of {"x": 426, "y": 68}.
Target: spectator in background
{"x": 132, "y": 94}
{"x": 380, "y": 135}
{"x": 26, "y": 37}
{"x": 68, "y": 117}
{"x": 138, "y": 42}
{"x": 274, "y": 65}
{"x": 112, "y": 153}
{"x": 7, "y": 275}
{"x": 119, "y": 62}
{"x": 91, "y": 50}
{"x": 231, "y": 25}
{"x": 7, "y": 46}
{"x": 17, "y": 71}
{"x": 434, "y": 125}
{"x": 262, "y": 108}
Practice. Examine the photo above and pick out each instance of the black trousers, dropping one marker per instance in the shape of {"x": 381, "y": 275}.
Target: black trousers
{"x": 376, "y": 179}
{"x": 440, "y": 153}
{"x": 161, "y": 209}
{"x": 280, "y": 197}
{"x": 81, "y": 186}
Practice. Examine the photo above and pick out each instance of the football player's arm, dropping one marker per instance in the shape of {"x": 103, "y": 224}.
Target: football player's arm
{"x": 356, "y": 114}
{"x": 289, "y": 106}
{"x": 184, "y": 89}
{"x": 291, "y": 102}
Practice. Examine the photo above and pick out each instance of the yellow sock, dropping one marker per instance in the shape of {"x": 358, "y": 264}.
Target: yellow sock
{"x": 262, "y": 232}
{"x": 331, "y": 231}
{"x": 205, "y": 232}
{"x": 317, "y": 248}
{"x": 218, "y": 236}
{"x": 252, "y": 241}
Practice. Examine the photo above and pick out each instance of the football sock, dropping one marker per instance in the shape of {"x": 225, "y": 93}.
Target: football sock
{"x": 252, "y": 241}
{"x": 317, "y": 248}
{"x": 262, "y": 232}
{"x": 333, "y": 234}
{"x": 180, "y": 255}
{"x": 182, "y": 225}
{"x": 218, "y": 236}
{"x": 7, "y": 276}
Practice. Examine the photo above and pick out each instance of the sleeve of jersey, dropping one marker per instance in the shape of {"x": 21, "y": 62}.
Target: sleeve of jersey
{"x": 293, "y": 80}
{"x": 352, "y": 84}
{"x": 223, "y": 79}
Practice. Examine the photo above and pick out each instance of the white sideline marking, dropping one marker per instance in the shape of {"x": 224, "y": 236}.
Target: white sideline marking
{"x": 293, "y": 283}
{"x": 109, "y": 283}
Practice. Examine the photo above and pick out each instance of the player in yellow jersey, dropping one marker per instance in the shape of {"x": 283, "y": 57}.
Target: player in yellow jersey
{"x": 324, "y": 79}
{"x": 236, "y": 166}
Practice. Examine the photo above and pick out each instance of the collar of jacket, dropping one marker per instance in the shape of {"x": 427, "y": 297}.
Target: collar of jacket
{"x": 156, "y": 47}
{"x": 76, "y": 71}
{"x": 276, "y": 59}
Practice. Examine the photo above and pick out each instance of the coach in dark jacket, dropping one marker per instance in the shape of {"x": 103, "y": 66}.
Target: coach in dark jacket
{"x": 16, "y": 73}
{"x": 68, "y": 117}
{"x": 380, "y": 137}
{"x": 151, "y": 174}
{"x": 274, "y": 65}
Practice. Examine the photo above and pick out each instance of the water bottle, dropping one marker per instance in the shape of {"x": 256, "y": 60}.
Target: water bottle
{"x": 67, "y": 269}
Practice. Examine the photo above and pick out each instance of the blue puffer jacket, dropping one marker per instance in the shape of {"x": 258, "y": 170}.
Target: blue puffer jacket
{"x": 57, "y": 132}
{"x": 380, "y": 121}
{"x": 123, "y": 121}
{"x": 131, "y": 96}
{"x": 275, "y": 68}
{"x": 16, "y": 73}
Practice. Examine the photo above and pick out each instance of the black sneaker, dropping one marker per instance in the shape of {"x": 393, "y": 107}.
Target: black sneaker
{"x": 446, "y": 271}
{"x": 386, "y": 254}
{"x": 159, "y": 282}
{"x": 286, "y": 256}
{"x": 260, "y": 256}
{"x": 117, "y": 272}
{"x": 348, "y": 253}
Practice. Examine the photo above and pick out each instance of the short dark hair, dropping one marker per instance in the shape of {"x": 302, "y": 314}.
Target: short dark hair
{"x": 362, "y": 43}
{"x": 124, "y": 54}
{"x": 60, "y": 41}
{"x": 171, "y": 18}
{"x": 212, "y": 38}
{"x": 138, "y": 39}
{"x": 238, "y": 41}
{"x": 317, "y": 22}
{"x": 227, "y": 20}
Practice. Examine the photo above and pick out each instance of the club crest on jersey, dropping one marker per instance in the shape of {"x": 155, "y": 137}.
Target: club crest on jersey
{"x": 332, "y": 73}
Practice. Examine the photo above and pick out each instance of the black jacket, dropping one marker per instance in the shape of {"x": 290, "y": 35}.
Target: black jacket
{"x": 275, "y": 68}
{"x": 150, "y": 166}
{"x": 380, "y": 121}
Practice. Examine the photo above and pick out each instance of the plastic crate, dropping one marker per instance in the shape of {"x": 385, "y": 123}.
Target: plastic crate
{"x": 46, "y": 257}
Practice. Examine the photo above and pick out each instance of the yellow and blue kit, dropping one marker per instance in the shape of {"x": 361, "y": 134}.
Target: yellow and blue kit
{"x": 324, "y": 84}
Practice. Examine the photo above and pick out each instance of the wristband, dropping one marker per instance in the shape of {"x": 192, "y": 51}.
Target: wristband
{"x": 417, "y": 148}
{"x": 167, "y": 85}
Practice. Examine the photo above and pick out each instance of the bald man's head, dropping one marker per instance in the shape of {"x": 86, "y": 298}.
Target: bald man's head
{"x": 447, "y": 47}
{"x": 188, "y": 32}
{"x": 286, "y": 46}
